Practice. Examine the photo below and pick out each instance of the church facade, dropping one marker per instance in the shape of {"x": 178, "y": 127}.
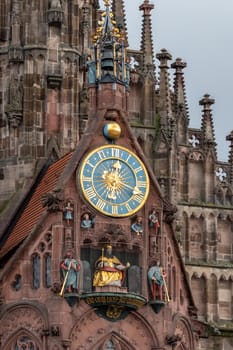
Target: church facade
{"x": 116, "y": 216}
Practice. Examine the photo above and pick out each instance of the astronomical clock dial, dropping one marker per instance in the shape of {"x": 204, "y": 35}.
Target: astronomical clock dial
{"x": 114, "y": 181}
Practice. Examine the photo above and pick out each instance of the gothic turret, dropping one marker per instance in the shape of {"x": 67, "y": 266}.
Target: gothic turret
{"x": 108, "y": 65}
{"x": 164, "y": 92}
{"x": 207, "y": 124}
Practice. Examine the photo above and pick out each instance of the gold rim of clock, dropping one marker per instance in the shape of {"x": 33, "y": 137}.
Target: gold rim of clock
{"x": 80, "y": 175}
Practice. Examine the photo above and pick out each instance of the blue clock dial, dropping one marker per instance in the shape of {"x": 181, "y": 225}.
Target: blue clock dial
{"x": 114, "y": 181}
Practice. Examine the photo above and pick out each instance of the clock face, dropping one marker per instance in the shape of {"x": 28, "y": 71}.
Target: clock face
{"x": 114, "y": 181}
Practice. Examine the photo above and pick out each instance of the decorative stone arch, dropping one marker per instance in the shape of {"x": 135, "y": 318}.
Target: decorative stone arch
{"x": 195, "y": 275}
{"x": 24, "y": 340}
{"x": 135, "y": 333}
{"x": 67, "y": 65}
{"x": 183, "y": 184}
{"x": 114, "y": 342}
{"x": 199, "y": 289}
{"x": 218, "y": 195}
{"x": 29, "y": 63}
{"x": 211, "y": 226}
{"x": 209, "y": 177}
{"x": 196, "y": 177}
{"x": 225, "y": 297}
{"x": 196, "y": 236}
{"x": 33, "y": 323}
{"x": 196, "y": 156}
{"x": 182, "y": 231}
{"x": 213, "y": 297}
{"x": 183, "y": 333}
{"x": 204, "y": 275}
{"x": 56, "y": 347}
{"x": 228, "y": 196}
{"x": 40, "y": 64}
{"x": 141, "y": 141}
{"x": 40, "y": 261}
{"x": 224, "y": 237}
{"x": 88, "y": 240}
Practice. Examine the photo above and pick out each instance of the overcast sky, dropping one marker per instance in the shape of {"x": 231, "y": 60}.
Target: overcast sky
{"x": 201, "y": 33}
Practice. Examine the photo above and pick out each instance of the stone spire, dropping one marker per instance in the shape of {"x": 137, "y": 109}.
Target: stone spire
{"x": 179, "y": 85}
{"x": 180, "y": 102}
{"x": 146, "y": 39}
{"x": 148, "y": 67}
{"x": 118, "y": 9}
{"x": 207, "y": 126}
{"x": 164, "y": 105}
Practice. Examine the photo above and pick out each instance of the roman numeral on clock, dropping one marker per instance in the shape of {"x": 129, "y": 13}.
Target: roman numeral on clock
{"x": 114, "y": 209}
{"x": 101, "y": 154}
{"x": 90, "y": 193}
{"x": 138, "y": 169}
{"x": 115, "y": 152}
{"x": 128, "y": 207}
{"x": 85, "y": 178}
{"x": 141, "y": 184}
{"x": 138, "y": 197}
{"x": 100, "y": 204}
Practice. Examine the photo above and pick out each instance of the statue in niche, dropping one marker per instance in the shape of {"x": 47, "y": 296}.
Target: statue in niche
{"x": 109, "y": 270}
{"x": 68, "y": 213}
{"x": 17, "y": 283}
{"x": 127, "y": 71}
{"x": 87, "y": 221}
{"x": 156, "y": 279}
{"x": 91, "y": 68}
{"x": 70, "y": 269}
{"x": 15, "y": 93}
{"x": 153, "y": 221}
{"x": 137, "y": 225}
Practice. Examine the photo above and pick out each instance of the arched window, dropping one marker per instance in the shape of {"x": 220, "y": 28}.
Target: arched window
{"x": 110, "y": 345}
{"x": 25, "y": 343}
{"x": 41, "y": 263}
{"x": 36, "y": 268}
{"x": 47, "y": 265}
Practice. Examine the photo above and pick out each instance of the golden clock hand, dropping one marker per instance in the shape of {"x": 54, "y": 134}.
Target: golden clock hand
{"x": 112, "y": 194}
{"x": 134, "y": 189}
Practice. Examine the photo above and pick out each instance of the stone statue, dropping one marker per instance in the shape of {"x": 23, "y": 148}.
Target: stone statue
{"x": 156, "y": 281}
{"x": 87, "y": 221}
{"x": 137, "y": 226}
{"x": 15, "y": 94}
{"x": 70, "y": 268}
{"x": 68, "y": 213}
{"x": 109, "y": 270}
{"x": 91, "y": 67}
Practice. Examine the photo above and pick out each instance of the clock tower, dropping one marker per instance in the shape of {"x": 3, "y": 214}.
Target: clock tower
{"x": 91, "y": 260}
{"x": 114, "y": 183}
